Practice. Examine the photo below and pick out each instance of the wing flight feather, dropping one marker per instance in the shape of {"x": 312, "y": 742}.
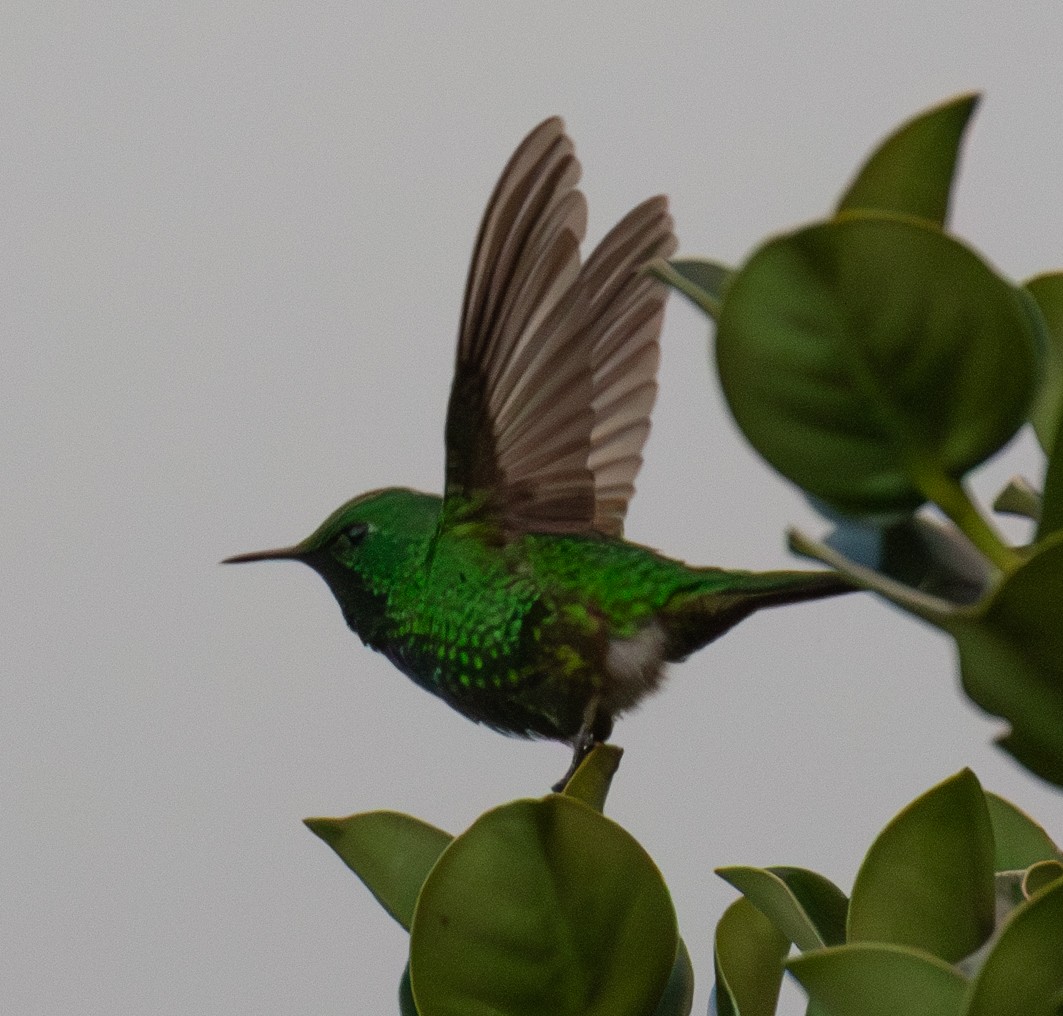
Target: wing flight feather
{"x": 556, "y": 368}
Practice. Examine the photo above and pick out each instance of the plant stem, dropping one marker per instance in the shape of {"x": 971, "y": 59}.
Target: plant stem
{"x": 952, "y": 498}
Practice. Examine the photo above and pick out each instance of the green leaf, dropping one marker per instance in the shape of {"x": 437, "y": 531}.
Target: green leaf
{"x": 927, "y": 881}
{"x": 591, "y": 781}
{"x": 1021, "y": 498}
{"x": 700, "y": 281}
{"x": 390, "y": 852}
{"x": 869, "y": 358}
{"x": 1040, "y": 875}
{"x": 749, "y": 956}
{"x": 1023, "y": 973}
{"x": 1051, "y": 521}
{"x": 934, "y": 557}
{"x": 1047, "y": 412}
{"x": 911, "y": 172}
{"x": 1008, "y": 895}
{"x": 805, "y": 907}
{"x": 879, "y": 980}
{"x": 407, "y": 1006}
{"x": 1011, "y": 658}
{"x": 542, "y": 907}
{"x": 1019, "y": 840}
{"x": 678, "y": 997}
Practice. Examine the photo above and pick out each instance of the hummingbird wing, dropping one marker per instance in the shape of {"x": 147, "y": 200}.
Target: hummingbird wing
{"x": 556, "y": 365}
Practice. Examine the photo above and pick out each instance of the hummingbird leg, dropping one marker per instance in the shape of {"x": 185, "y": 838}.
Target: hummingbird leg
{"x": 582, "y": 743}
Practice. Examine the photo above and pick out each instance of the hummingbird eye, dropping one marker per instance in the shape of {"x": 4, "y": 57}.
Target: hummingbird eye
{"x": 356, "y": 533}
{"x": 350, "y": 537}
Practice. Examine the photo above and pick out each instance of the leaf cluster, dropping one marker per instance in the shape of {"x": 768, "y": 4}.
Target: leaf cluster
{"x": 546, "y": 906}
{"x": 541, "y": 906}
{"x": 875, "y": 359}
{"x": 957, "y": 910}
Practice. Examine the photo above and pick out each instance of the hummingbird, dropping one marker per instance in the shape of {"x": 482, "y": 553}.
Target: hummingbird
{"x": 514, "y": 597}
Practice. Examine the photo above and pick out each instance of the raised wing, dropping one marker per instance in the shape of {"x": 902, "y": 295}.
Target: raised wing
{"x": 556, "y": 365}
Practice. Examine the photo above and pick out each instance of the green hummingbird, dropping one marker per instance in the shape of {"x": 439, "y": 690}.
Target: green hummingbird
{"x": 514, "y": 597}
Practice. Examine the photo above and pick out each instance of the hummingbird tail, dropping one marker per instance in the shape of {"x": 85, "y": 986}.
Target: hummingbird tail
{"x": 700, "y": 616}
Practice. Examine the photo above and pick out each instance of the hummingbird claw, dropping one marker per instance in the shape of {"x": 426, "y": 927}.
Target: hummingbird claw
{"x": 582, "y": 744}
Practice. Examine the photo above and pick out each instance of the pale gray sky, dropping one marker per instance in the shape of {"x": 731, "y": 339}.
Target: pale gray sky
{"x": 234, "y": 243}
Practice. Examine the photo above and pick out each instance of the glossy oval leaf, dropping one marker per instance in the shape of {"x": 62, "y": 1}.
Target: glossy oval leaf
{"x": 867, "y": 357}
{"x": 700, "y": 281}
{"x": 879, "y": 980}
{"x": 748, "y": 958}
{"x": 1019, "y": 841}
{"x": 1023, "y": 973}
{"x": 591, "y": 781}
{"x": 911, "y": 172}
{"x": 805, "y": 907}
{"x": 927, "y": 881}
{"x": 1047, "y": 412}
{"x": 678, "y": 997}
{"x": 390, "y": 852}
{"x": 542, "y": 907}
{"x": 1011, "y": 659}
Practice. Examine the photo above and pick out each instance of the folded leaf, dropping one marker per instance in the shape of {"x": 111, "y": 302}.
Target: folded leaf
{"x": 749, "y": 954}
{"x": 927, "y": 881}
{"x": 805, "y": 907}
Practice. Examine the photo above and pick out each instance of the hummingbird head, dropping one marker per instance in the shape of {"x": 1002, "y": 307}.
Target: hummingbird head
{"x": 364, "y": 545}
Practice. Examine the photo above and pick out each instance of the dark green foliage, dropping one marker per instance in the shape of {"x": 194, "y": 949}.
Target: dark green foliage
{"x": 1047, "y": 414}
{"x": 541, "y": 906}
{"x": 1011, "y": 657}
{"x": 911, "y": 172}
{"x": 808, "y": 909}
{"x": 748, "y": 961}
{"x": 545, "y": 907}
{"x": 938, "y": 922}
{"x": 875, "y": 360}
{"x": 390, "y": 852}
{"x": 927, "y": 881}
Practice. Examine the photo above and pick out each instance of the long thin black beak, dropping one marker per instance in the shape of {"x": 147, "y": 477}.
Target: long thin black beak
{"x": 279, "y": 554}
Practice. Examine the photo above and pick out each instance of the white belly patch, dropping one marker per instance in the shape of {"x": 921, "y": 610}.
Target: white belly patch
{"x": 636, "y": 668}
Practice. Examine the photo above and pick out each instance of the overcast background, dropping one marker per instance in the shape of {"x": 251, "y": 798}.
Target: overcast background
{"x": 234, "y": 240}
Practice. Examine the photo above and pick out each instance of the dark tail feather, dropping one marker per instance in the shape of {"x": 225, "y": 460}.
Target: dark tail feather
{"x": 694, "y": 619}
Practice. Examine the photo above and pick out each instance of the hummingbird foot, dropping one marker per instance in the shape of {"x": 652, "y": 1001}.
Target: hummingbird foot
{"x": 582, "y": 743}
